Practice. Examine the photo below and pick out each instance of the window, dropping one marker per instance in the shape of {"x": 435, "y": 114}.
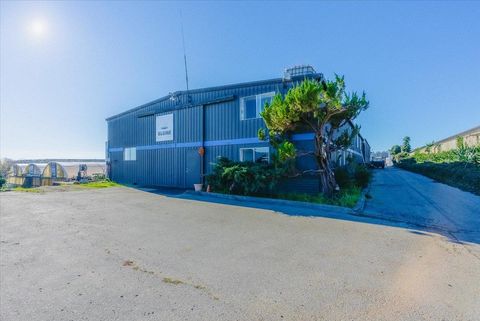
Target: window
{"x": 251, "y": 106}
{"x": 256, "y": 154}
{"x": 130, "y": 154}
{"x": 263, "y": 99}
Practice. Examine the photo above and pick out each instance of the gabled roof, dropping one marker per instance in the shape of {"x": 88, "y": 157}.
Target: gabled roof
{"x": 464, "y": 133}
{"x": 216, "y": 88}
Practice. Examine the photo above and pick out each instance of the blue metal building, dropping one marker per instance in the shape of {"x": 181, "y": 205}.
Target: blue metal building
{"x": 160, "y": 143}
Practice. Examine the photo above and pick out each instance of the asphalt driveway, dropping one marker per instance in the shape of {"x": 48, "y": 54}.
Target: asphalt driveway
{"x": 124, "y": 254}
{"x": 404, "y": 196}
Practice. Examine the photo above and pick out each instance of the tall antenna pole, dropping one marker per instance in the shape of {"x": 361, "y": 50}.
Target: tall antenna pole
{"x": 184, "y": 51}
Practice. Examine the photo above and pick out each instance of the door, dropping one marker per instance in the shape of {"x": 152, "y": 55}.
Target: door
{"x": 53, "y": 170}
{"x": 192, "y": 170}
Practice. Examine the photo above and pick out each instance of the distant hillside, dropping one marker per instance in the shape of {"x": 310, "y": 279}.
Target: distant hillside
{"x": 46, "y": 160}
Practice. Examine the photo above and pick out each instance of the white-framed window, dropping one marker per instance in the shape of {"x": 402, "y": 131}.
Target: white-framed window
{"x": 130, "y": 154}
{"x": 251, "y": 106}
{"x": 255, "y": 154}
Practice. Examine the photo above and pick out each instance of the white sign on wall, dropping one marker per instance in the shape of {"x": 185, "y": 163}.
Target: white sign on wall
{"x": 164, "y": 128}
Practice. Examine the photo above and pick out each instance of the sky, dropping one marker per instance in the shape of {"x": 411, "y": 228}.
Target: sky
{"x": 66, "y": 66}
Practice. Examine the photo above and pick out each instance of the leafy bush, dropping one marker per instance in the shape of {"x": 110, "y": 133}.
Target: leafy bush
{"x": 396, "y": 149}
{"x": 398, "y": 157}
{"x": 353, "y": 175}
{"x": 342, "y": 177}
{"x": 468, "y": 154}
{"x": 260, "y": 179}
{"x": 246, "y": 178}
{"x": 98, "y": 177}
{"x": 464, "y": 175}
{"x": 348, "y": 197}
{"x": 362, "y": 176}
{"x": 2, "y": 181}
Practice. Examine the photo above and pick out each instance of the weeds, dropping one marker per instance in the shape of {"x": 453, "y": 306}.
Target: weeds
{"x": 172, "y": 281}
{"x": 347, "y": 197}
{"x": 99, "y": 184}
{"x": 28, "y": 190}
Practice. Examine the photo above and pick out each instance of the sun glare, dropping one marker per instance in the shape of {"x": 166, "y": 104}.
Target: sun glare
{"x": 38, "y": 28}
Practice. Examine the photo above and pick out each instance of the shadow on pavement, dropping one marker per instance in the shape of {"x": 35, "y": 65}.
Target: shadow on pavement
{"x": 459, "y": 238}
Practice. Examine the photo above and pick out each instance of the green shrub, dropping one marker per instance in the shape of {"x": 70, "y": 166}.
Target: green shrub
{"x": 464, "y": 175}
{"x": 468, "y": 154}
{"x": 260, "y": 179}
{"x": 99, "y": 177}
{"x": 2, "y": 181}
{"x": 342, "y": 177}
{"x": 245, "y": 178}
{"x": 398, "y": 157}
{"x": 362, "y": 176}
{"x": 352, "y": 175}
{"x": 348, "y": 197}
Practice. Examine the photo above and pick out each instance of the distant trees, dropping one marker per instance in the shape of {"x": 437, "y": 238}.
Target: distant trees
{"x": 399, "y": 152}
{"x": 396, "y": 149}
{"x": 406, "y": 148}
{"x": 5, "y": 167}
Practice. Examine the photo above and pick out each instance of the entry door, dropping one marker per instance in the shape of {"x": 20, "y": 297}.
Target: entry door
{"x": 53, "y": 170}
{"x": 192, "y": 171}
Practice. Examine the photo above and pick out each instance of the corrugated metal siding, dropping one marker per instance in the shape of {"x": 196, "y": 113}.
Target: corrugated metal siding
{"x": 167, "y": 166}
{"x": 232, "y": 152}
{"x": 301, "y": 185}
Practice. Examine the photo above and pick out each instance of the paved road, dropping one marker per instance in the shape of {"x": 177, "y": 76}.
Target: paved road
{"x": 124, "y": 254}
{"x": 408, "y": 197}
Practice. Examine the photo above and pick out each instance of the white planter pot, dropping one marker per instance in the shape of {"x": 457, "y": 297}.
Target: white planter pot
{"x": 198, "y": 187}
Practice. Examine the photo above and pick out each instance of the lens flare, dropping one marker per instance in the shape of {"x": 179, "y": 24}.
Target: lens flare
{"x": 38, "y": 28}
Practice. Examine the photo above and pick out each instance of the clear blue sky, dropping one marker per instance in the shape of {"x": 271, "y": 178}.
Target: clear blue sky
{"x": 66, "y": 66}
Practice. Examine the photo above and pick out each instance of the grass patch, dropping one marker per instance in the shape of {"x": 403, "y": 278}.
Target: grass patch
{"x": 28, "y": 190}
{"x": 347, "y": 197}
{"x": 99, "y": 184}
{"x": 66, "y": 186}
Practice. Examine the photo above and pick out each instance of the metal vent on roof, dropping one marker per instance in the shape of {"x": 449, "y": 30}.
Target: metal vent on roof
{"x": 300, "y": 70}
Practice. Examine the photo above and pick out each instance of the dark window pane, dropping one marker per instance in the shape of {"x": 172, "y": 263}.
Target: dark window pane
{"x": 261, "y": 157}
{"x": 250, "y": 105}
{"x": 247, "y": 155}
{"x": 263, "y": 101}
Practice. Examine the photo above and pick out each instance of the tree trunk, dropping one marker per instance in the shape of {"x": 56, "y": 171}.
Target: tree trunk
{"x": 322, "y": 157}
